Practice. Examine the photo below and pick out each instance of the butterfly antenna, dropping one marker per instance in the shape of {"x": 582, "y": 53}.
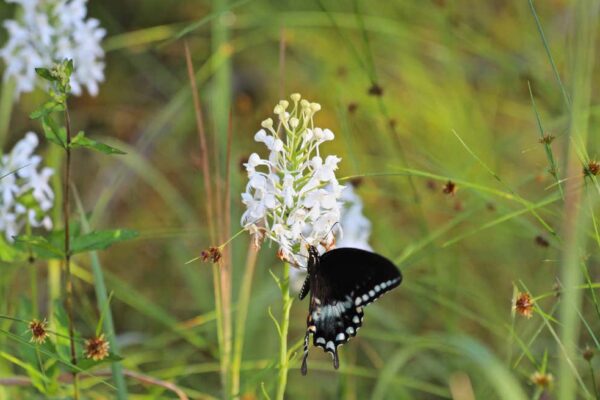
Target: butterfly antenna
{"x": 331, "y": 230}
{"x": 304, "y": 368}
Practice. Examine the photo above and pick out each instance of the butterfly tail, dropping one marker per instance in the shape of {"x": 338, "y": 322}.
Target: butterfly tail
{"x": 304, "y": 368}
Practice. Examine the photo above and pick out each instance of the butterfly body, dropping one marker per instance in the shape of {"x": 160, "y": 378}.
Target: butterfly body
{"x": 341, "y": 282}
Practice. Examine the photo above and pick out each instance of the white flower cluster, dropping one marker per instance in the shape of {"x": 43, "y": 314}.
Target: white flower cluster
{"x": 49, "y": 31}
{"x": 25, "y": 192}
{"x": 292, "y": 196}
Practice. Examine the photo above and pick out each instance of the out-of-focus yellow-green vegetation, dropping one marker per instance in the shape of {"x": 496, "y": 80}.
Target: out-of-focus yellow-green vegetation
{"x": 472, "y": 127}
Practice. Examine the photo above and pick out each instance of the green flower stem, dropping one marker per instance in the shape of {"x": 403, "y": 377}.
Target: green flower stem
{"x": 55, "y": 159}
{"x": 6, "y": 105}
{"x": 287, "y": 300}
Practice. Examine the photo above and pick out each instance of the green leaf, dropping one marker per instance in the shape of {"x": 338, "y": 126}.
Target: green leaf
{"x": 46, "y": 109}
{"x": 100, "y": 240}
{"x": 82, "y": 141}
{"x": 45, "y": 73}
{"x": 39, "y": 245}
{"x": 9, "y": 253}
{"x": 54, "y": 133}
{"x": 69, "y": 67}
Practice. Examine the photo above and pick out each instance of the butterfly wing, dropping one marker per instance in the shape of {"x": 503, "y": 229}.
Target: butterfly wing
{"x": 344, "y": 281}
{"x": 362, "y": 274}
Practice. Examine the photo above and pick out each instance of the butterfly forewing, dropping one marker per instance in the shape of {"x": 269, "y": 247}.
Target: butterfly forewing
{"x": 342, "y": 282}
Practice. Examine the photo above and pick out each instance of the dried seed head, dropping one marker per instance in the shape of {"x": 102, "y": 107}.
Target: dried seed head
{"x": 450, "y": 188}
{"x": 352, "y": 107}
{"x": 38, "y": 330}
{"x": 592, "y": 168}
{"x": 556, "y": 289}
{"x": 376, "y": 90}
{"x": 212, "y": 254}
{"x": 524, "y": 305}
{"x": 96, "y": 348}
{"x": 547, "y": 139}
{"x": 541, "y": 241}
{"x": 588, "y": 353}
{"x": 541, "y": 379}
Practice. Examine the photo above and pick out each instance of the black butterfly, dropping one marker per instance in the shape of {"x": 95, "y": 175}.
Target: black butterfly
{"x": 342, "y": 282}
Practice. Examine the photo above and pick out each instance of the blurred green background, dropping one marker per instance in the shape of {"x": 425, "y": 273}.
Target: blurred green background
{"x": 443, "y": 66}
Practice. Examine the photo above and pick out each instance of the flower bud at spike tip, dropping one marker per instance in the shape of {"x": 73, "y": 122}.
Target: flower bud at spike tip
{"x": 295, "y": 97}
{"x": 267, "y": 123}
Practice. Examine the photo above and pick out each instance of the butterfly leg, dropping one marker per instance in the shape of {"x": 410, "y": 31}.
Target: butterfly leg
{"x": 304, "y": 368}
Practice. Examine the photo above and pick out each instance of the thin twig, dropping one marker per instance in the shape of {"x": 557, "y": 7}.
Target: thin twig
{"x": 202, "y": 139}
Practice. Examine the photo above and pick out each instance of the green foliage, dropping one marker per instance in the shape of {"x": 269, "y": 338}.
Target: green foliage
{"x": 82, "y": 141}
{"x": 501, "y": 75}
{"x": 52, "y": 245}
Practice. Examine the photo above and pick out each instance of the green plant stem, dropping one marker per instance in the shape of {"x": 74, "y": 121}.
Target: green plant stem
{"x": 575, "y": 222}
{"x": 55, "y": 160}
{"x": 240, "y": 322}
{"x": 68, "y": 277}
{"x": 287, "y": 300}
{"x": 6, "y": 105}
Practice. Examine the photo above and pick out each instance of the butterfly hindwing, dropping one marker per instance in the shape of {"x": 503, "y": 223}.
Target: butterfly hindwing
{"x": 359, "y": 273}
{"x": 342, "y": 282}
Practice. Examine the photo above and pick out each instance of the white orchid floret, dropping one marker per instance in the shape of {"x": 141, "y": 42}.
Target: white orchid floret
{"x": 293, "y": 195}
{"x": 25, "y": 192}
{"x": 47, "y": 31}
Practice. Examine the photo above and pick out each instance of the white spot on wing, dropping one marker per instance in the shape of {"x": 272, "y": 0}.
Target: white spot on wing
{"x": 355, "y": 319}
{"x": 350, "y": 330}
{"x": 320, "y": 340}
{"x": 340, "y": 337}
{"x": 371, "y": 293}
{"x": 365, "y": 297}
{"x": 377, "y": 288}
{"x": 330, "y": 346}
{"x": 357, "y": 301}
